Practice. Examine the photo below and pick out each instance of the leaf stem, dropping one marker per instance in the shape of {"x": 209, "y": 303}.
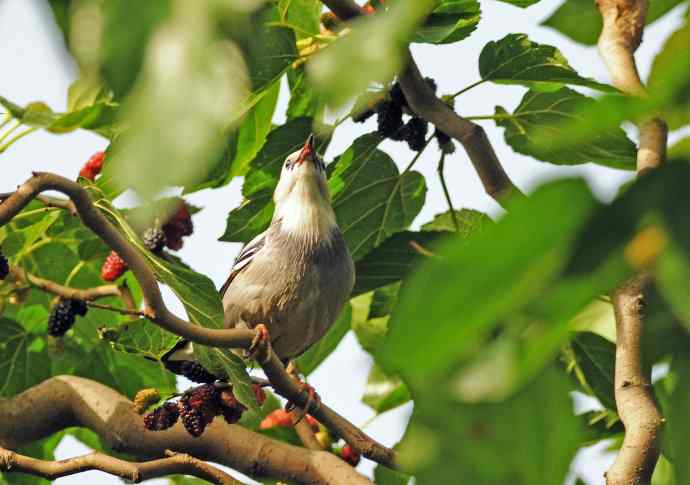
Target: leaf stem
{"x": 16, "y": 138}
{"x": 9, "y": 131}
{"x": 467, "y": 88}
{"x": 441, "y": 166}
{"x": 111, "y": 308}
{"x": 418, "y": 155}
{"x": 7, "y": 119}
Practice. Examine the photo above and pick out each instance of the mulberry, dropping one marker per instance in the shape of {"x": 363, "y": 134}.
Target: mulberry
{"x": 195, "y": 372}
{"x": 162, "y": 417}
{"x": 93, "y": 166}
{"x": 154, "y": 239}
{"x": 113, "y": 267}
{"x": 389, "y": 117}
{"x": 4, "y": 266}
{"x": 415, "y": 133}
{"x": 63, "y": 314}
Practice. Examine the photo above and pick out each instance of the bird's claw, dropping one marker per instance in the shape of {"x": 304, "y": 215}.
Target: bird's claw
{"x": 313, "y": 402}
{"x": 260, "y": 342}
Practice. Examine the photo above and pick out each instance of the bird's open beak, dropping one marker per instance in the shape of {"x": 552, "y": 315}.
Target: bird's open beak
{"x": 308, "y": 150}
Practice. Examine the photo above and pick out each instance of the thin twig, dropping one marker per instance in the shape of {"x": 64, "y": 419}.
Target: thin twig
{"x": 156, "y": 310}
{"x": 174, "y": 463}
{"x": 123, "y": 311}
{"x": 444, "y": 186}
{"x": 88, "y": 294}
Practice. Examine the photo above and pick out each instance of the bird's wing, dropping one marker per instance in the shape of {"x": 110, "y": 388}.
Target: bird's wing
{"x": 183, "y": 349}
{"x": 248, "y": 253}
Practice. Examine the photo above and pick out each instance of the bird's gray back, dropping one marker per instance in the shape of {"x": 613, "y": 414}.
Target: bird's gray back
{"x": 295, "y": 286}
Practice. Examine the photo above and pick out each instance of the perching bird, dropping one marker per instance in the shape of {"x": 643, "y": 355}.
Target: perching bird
{"x": 294, "y": 277}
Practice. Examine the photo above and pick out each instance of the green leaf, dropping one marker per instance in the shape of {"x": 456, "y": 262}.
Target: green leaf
{"x": 470, "y": 273}
{"x": 385, "y": 36}
{"x": 252, "y": 133}
{"x": 468, "y": 222}
{"x": 580, "y": 20}
{"x": 304, "y": 99}
{"x": 393, "y": 260}
{"x": 270, "y": 49}
{"x": 677, "y": 427}
{"x": 126, "y": 38}
{"x": 371, "y": 199}
{"x": 387, "y": 476}
{"x": 596, "y": 358}
{"x": 515, "y": 59}
{"x": 22, "y": 364}
{"x": 254, "y": 215}
{"x": 383, "y": 393}
{"x": 383, "y": 300}
{"x": 534, "y": 432}
{"x": 370, "y": 332}
{"x": 141, "y": 337}
{"x": 672, "y": 273}
{"x": 302, "y": 16}
{"x": 450, "y": 21}
{"x": 669, "y": 79}
{"x": 521, "y": 3}
{"x": 317, "y": 353}
{"x": 541, "y": 117}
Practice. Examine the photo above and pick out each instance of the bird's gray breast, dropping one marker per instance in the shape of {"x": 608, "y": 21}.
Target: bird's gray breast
{"x": 295, "y": 286}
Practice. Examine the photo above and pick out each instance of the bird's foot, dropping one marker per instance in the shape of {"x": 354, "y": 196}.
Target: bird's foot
{"x": 313, "y": 402}
{"x": 261, "y": 343}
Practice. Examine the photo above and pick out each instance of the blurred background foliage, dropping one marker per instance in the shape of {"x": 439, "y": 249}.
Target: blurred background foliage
{"x": 487, "y": 326}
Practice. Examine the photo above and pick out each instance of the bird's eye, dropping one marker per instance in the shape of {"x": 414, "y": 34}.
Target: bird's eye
{"x": 288, "y": 164}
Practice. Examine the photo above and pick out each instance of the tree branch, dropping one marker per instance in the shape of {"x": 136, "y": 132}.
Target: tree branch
{"x": 427, "y": 105}
{"x": 65, "y": 401}
{"x": 158, "y": 313}
{"x": 88, "y": 294}
{"x": 11, "y": 462}
{"x": 623, "y": 24}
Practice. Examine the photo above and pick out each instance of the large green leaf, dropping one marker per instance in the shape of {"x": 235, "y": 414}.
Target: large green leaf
{"x": 317, "y": 353}
{"x": 596, "y": 357}
{"x": 302, "y": 16}
{"x": 542, "y": 117}
{"x": 371, "y": 199}
{"x": 23, "y": 361}
{"x": 477, "y": 282}
{"x": 304, "y": 99}
{"x": 677, "y": 426}
{"x": 465, "y": 221}
{"x": 450, "y": 21}
{"x": 141, "y": 337}
{"x": 394, "y": 259}
{"x": 580, "y": 20}
{"x": 125, "y": 39}
{"x": 515, "y": 59}
{"x": 534, "y": 432}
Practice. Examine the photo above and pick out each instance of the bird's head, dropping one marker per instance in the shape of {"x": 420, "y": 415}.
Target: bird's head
{"x": 302, "y": 197}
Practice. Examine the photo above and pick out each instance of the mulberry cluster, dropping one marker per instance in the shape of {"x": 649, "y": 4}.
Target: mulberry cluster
{"x": 162, "y": 417}
{"x": 93, "y": 166}
{"x": 154, "y": 239}
{"x": 179, "y": 225}
{"x": 390, "y": 118}
{"x": 197, "y": 408}
{"x": 4, "y": 266}
{"x": 63, "y": 314}
{"x": 113, "y": 267}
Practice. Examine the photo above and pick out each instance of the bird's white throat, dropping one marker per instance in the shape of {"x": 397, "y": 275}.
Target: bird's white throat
{"x": 306, "y": 213}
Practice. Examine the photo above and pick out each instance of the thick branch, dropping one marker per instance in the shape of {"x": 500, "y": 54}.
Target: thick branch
{"x": 11, "y": 462}
{"x": 65, "y": 401}
{"x": 639, "y": 413}
{"x": 157, "y": 312}
{"x": 623, "y": 24}
{"x": 427, "y": 105}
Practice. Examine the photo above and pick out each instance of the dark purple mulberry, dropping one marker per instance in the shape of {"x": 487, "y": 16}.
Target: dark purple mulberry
{"x": 195, "y": 372}
{"x": 4, "y": 266}
{"x": 414, "y": 132}
{"x": 389, "y": 117}
{"x": 162, "y": 417}
{"x": 63, "y": 314}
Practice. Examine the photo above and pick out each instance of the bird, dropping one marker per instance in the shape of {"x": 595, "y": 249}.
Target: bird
{"x": 294, "y": 278}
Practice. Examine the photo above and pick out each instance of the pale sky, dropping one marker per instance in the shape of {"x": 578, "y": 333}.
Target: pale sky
{"x": 33, "y": 67}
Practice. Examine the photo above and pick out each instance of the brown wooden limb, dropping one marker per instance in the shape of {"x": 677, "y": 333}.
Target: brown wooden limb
{"x": 304, "y": 431}
{"x": 158, "y": 313}
{"x": 87, "y": 294}
{"x": 11, "y": 462}
{"x": 425, "y": 104}
{"x": 637, "y": 409}
{"x": 623, "y": 25}
{"x": 64, "y": 401}
{"x": 49, "y": 202}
